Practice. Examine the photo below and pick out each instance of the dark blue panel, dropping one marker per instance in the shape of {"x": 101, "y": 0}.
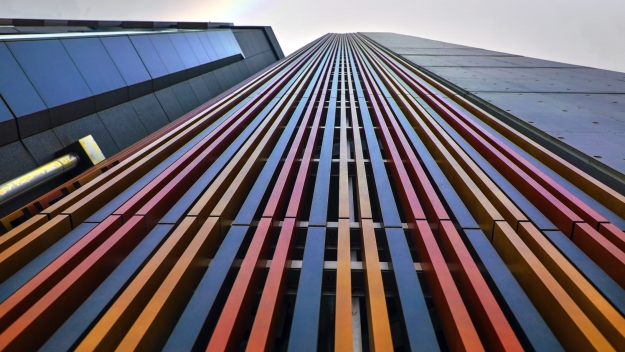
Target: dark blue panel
{"x": 84, "y": 317}
{"x": 533, "y": 332}
{"x": 388, "y": 207}
{"x": 169, "y": 103}
{"x": 197, "y": 47}
{"x": 223, "y": 36}
{"x": 305, "y": 325}
{"x": 419, "y": 329}
{"x": 94, "y": 63}
{"x": 33, "y": 268}
{"x": 211, "y": 51}
{"x": 184, "y": 50}
{"x": 185, "y": 96}
{"x": 610, "y": 289}
{"x": 231, "y": 41}
{"x": 201, "y": 305}
{"x": 51, "y": 70}
{"x": 200, "y": 90}
{"x": 15, "y": 87}
{"x": 149, "y": 56}
{"x": 167, "y": 52}
{"x": 15, "y": 151}
{"x": 126, "y": 59}
{"x": 213, "y": 38}
{"x": 43, "y": 146}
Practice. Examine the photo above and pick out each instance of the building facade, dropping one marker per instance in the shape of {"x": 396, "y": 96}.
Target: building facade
{"x": 116, "y": 81}
{"x": 341, "y": 198}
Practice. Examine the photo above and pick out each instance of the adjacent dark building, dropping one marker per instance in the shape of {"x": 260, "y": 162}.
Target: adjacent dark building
{"x": 117, "y": 81}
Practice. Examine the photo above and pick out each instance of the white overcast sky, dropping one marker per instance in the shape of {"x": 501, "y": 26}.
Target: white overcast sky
{"x": 583, "y": 32}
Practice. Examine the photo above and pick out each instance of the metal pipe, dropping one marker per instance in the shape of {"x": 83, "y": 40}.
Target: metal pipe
{"x": 32, "y": 179}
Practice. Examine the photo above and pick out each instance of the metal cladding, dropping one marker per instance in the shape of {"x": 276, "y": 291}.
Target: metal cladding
{"x": 340, "y": 199}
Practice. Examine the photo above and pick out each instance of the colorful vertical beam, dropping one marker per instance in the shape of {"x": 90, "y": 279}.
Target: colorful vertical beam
{"x": 491, "y": 321}
{"x": 305, "y": 323}
{"x": 261, "y": 335}
{"x": 343, "y": 332}
{"x": 379, "y": 326}
{"x": 460, "y": 325}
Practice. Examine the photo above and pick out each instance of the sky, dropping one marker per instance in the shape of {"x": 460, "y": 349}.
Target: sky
{"x": 583, "y": 32}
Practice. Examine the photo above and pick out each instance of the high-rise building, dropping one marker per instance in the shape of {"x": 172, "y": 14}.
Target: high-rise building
{"x": 363, "y": 193}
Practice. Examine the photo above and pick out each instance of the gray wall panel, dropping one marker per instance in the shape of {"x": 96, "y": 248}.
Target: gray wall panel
{"x": 242, "y": 38}
{"x": 150, "y": 112}
{"x": 43, "y": 146}
{"x": 52, "y": 72}
{"x": 126, "y": 59}
{"x": 185, "y": 96}
{"x": 88, "y": 125}
{"x": 123, "y": 124}
{"x": 130, "y": 64}
{"x": 253, "y": 64}
{"x": 32, "y": 124}
{"x": 15, "y": 151}
{"x": 246, "y": 41}
{"x": 19, "y": 94}
{"x": 170, "y": 103}
{"x": 212, "y": 84}
{"x": 243, "y": 71}
{"x": 184, "y": 50}
{"x": 279, "y": 54}
{"x": 199, "y": 88}
{"x": 169, "y": 56}
{"x": 268, "y": 59}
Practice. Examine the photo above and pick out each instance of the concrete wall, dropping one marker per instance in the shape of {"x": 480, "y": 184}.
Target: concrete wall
{"x": 577, "y": 112}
